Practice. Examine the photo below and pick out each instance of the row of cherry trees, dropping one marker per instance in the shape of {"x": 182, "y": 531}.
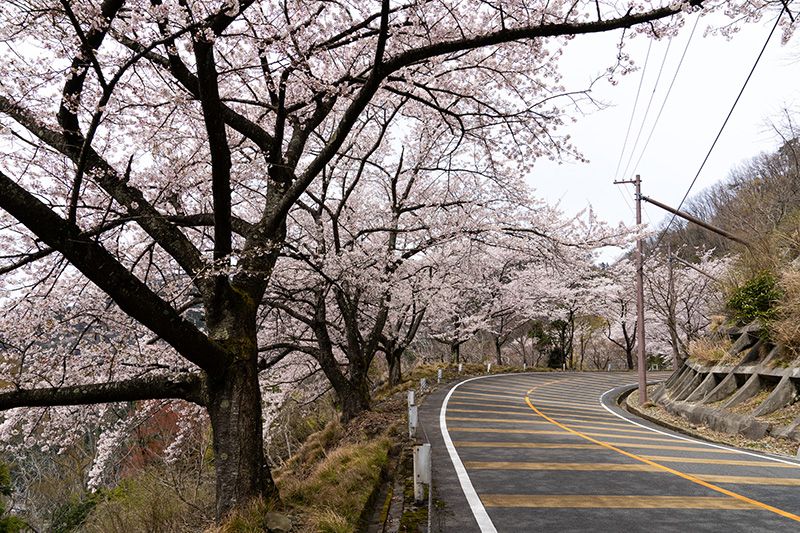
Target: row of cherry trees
{"x": 195, "y": 192}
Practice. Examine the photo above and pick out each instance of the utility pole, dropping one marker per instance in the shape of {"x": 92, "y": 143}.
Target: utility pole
{"x": 640, "y": 347}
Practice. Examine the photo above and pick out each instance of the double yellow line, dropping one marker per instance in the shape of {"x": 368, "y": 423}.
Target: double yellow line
{"x": 683, "y": 475}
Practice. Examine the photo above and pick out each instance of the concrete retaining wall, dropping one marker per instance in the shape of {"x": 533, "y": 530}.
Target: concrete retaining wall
{"x": 704, "y": 395}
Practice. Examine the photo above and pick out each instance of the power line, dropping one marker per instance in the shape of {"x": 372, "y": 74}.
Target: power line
{"x": 633, "y": 111}
{"x": 719, "y": 133}
{"x": 647, "y": 109}
{"x": 625, "y": 198}
{"x": 669, "y": 90}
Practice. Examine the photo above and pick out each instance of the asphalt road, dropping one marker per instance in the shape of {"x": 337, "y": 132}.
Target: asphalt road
{"x": 550, "y": 452}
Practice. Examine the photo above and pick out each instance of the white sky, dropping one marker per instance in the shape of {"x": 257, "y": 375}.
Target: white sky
{"x": 707, "y": 84}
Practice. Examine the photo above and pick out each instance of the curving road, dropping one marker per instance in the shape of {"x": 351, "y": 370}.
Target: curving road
{"x": 550, "y": 452}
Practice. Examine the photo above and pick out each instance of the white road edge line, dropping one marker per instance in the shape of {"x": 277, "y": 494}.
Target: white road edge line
{"x": 478, "y": 510}
{"x": 687, "y": 439}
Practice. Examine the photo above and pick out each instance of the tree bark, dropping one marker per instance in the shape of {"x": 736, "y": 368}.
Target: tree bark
{"x": 455, "y": 352}
{"x": 234, "y": 403}
{"x": 498, "y": 351}
{"x": 393, "y": 358}
{"x": 234, "y": 406}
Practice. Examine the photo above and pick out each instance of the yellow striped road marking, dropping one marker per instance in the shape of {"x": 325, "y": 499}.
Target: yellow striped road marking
{"x": 500, "y": 420}
{"x": 595, "y": 422}
{"x": 498, "y": 402}
{"x": 548, "y": 432}
{"x": 586, "y": 411}
{"x": 564, "y": 402}
{"x": 700, "y": 460}
{"x": 582, "y": 467}
{"x": 751, "y": 480}
{"x": 589, "y": 501}
{"x": 551, "y": 432}
{"x": 515, "y": 431}
{"x": 542, "y": 402}
{"x": 683, "y": 475}
{"x": 507, "y": 397}
{"x": 531, "y": 445}
{"x": 544, "y": 423}
{"x": 572, "y": 446}
{"x": 489, "y": 411}
{"x": 670, "y": 447}
{"x": 489, "y": 388}
{"x": 515, "y": 407}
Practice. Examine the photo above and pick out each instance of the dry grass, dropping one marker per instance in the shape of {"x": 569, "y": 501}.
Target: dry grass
{"x": 336, "y": 493}
{"x": 785, "y": 329}
{"x": 747, "y": 406}
{"x": 313, "y": 450}
{"x": 710, "y": 351}
{"x": 784, "y": 415}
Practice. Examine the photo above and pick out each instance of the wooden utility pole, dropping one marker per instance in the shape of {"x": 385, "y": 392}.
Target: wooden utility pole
{"x": 640, "y": 346}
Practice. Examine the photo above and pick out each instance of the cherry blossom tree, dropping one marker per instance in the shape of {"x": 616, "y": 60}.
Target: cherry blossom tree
{"x": 683, "y": 296}
{"x": 155, "y": 148}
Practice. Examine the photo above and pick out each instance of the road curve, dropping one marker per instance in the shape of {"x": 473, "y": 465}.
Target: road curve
{"x": 548, "y": 452}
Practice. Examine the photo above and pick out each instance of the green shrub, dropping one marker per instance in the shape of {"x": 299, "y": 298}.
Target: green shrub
{"x": 756, "y": 299}
{"x": 72, "y": 516}
{"x": 8, "y": 523}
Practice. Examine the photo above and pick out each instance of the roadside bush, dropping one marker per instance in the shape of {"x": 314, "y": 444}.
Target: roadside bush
{"x": 756, "y": 299}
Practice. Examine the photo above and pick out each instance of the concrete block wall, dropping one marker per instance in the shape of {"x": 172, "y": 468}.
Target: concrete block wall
{"x": 709, "y": 396}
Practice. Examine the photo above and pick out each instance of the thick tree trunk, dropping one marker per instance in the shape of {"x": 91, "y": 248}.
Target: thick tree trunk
{"x": 233, "y": 401}
{"x": 354, "y": 396}
{"x": 455, "y": 352}
{"x": 629, "y": 358}
{"x": 393, "y": 361}
{"x": 498, "y": 351}
{"x": 234, "y": 406}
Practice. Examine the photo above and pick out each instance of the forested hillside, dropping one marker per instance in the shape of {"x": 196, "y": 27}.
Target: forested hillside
{"x": 759, "y": 202}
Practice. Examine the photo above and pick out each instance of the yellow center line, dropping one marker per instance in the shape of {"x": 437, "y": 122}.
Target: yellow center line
{"x": 683, "y": 475}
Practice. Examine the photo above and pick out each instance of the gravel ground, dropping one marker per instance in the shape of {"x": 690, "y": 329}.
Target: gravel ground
{"x": 768, "y": 444}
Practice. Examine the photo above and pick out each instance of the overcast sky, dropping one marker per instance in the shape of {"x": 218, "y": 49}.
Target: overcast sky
{"x": 711, "y": 76}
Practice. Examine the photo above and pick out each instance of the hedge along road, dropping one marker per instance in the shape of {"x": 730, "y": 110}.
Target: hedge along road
{"x": 551, "y": 452}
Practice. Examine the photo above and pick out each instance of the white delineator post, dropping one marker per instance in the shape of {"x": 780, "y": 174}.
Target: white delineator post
{"x": 412, "y": 415}
{"x": 422, "y": 471}
{"x": 439, "y": 376}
